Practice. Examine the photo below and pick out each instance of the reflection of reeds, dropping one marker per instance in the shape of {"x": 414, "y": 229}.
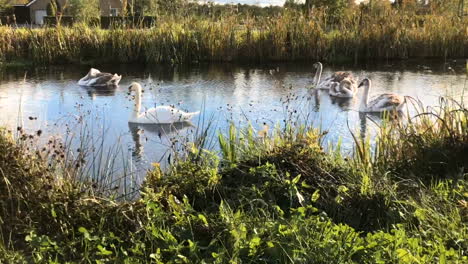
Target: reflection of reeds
{"x": 290, "y": 35}
{"x": 82, "y": 158}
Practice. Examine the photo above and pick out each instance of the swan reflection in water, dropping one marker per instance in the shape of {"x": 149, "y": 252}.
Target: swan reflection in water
{"x": 343, "y": 103}
{"x": 315, "y": 95}
{"x": 94, "y": 92}
{"x": 163, "y": 132}
{"x": 377, "y": 119}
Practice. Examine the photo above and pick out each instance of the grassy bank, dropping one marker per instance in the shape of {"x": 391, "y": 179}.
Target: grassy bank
{"x": 277, "y": 199}
{"x": 288, "y": 36}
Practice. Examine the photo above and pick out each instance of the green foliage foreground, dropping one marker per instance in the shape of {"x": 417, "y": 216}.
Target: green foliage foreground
{"x": 277, "y": 199}
{"x": 291, "y": 35}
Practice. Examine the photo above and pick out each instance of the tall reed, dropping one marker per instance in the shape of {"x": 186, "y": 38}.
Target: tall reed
{"x": 288, "y": 36}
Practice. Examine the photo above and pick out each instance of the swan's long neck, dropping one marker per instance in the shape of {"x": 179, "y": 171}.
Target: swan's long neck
{"x": 318, "y": 75}
{"x": 86, "y": 78}
{"x": 137, "y": 108}
{"x": 365, "y": 96}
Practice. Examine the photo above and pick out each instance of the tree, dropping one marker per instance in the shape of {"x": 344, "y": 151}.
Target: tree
{"x": 330, "y": 3}
{"x": 441, "y": 6}
{"x": 154, "y": 7}
{"x": 84, "y": 10}
{"x": 335, "y": 8}
{"x": 5, "y": 6}
{"x": 292, "y": 4}
{"x": 406, "y": 3}
{"x": 146, "y": 7}
{"x": 54, "y": 8}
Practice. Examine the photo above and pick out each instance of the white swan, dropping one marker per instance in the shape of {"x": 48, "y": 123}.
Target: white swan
{"x": 383, "y": 102}
{"x": 97, "y": 78}
{"x": 156, "y": 115}
{"x": 344, "y": 89}
{"x": 335, "y": 77}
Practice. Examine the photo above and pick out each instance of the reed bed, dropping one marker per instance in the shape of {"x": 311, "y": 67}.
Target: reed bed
{"x": 277, "y": 197}
{"x": 288, "y": 36}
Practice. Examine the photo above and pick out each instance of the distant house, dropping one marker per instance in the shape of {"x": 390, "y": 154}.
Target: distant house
{"x": 34, "y": 11}
{"x": 110, "y": 7}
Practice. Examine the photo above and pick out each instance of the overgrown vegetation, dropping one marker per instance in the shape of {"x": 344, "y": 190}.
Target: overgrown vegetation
{"x": 279, "y": 198}
{"x": 196, "y": 34}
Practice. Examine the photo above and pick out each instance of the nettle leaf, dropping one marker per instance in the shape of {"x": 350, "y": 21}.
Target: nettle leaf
{"x": 296, "y": 179}
{"x": 203, "y": 218}
{"x": 405, "y": 256}
{"x": 253, "y": 245}
{"x": 103, "y": 251}
{"x": 315, "y": 196}
{"x": 53, "y": 213}
{"x": 85, "y": 233}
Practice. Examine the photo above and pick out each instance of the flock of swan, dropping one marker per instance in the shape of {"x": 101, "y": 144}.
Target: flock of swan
{"x": 339, "y": 84}
{"x": 344, "y": 85}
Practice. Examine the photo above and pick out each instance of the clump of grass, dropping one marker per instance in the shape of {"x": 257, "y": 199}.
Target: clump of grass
{"x": 428, "y": 144}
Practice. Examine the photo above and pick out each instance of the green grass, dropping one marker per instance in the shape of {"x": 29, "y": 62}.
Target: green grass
{"x": 276, "y": 199}
{"x": 289, "y": 35}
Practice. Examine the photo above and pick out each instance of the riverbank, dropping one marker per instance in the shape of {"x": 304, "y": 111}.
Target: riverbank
{"x": 279, "y": 198}
{"x": 288, "y": 36}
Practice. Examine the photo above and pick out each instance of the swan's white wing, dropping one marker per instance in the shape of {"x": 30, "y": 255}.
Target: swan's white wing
{"x": 101, "y": 79}
{"x": 326, "y": 83}
{"x": 162, "y": 129}
{"x": 165, "y": 115}
{"x": 90, "y": 78}
{"x": 94, "y": 72}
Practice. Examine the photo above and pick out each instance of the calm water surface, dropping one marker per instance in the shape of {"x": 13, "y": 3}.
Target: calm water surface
{"x": 244, "y": 94}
